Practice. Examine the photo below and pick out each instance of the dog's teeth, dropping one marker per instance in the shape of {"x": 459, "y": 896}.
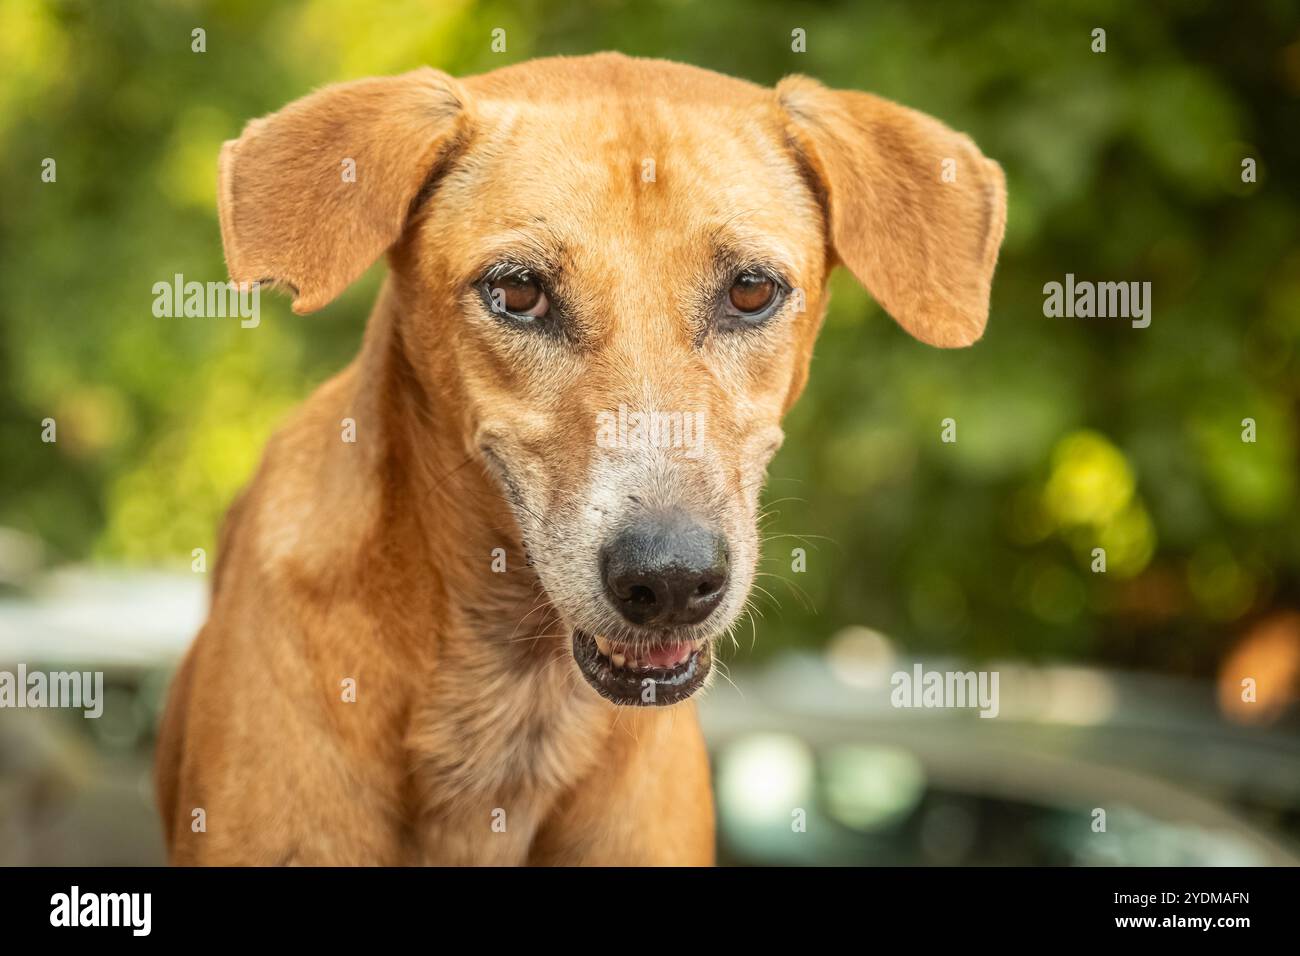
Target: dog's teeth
{"x": 602, "y": 645}
{"x": 617, "y": 659}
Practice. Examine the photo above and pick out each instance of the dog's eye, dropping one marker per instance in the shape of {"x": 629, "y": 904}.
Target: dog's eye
{"x": 754, "y": 297}
{"x": 751, "y": 293}
{"x": 520, "y": 294}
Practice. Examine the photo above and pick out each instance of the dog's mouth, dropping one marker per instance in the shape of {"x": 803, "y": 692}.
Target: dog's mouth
{"x": 642, "y": 674}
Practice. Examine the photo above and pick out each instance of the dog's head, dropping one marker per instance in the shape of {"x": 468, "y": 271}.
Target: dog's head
{"x": 615, "y": 270}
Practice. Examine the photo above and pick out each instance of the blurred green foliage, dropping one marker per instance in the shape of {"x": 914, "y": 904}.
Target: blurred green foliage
{"x": 1072, "y": 434}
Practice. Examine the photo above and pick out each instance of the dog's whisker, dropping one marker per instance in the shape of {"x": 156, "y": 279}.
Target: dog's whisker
{"x": 724, "y": 673}
{"x": 805, "y": 537}
{"x": 764, "y": 591}
{"x": 803, "y": 596}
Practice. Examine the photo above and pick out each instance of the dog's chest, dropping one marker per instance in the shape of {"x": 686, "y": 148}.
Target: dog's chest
{"x": 494, "y": 750}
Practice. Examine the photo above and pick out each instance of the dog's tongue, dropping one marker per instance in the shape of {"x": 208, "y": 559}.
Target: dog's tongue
{"x": 668, "y": 655}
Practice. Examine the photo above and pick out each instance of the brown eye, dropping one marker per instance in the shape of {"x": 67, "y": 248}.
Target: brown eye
{"x": 752, "y": 292}
{"x": 519, "y": 294}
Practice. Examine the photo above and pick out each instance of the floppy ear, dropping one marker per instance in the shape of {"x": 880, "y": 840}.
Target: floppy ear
{"x": 310, "y": 196}
{"x": 916, "y": 211}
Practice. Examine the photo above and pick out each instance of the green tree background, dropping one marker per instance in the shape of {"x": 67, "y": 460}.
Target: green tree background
{"x": 1072, "y": 434}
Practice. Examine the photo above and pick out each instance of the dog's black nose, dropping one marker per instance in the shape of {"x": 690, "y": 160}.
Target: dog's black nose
{"x": 665, "y": 570}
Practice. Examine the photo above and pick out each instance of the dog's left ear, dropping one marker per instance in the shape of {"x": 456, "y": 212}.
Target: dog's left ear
{"x": 916, "y": 211}
{"x": 310, "y": 196}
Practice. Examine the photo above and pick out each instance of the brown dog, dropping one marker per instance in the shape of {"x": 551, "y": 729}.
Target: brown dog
{"x": 529, "y": 505}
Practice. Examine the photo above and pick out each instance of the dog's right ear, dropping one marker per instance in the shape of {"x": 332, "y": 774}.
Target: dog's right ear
{"x": 310, "y": 196}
